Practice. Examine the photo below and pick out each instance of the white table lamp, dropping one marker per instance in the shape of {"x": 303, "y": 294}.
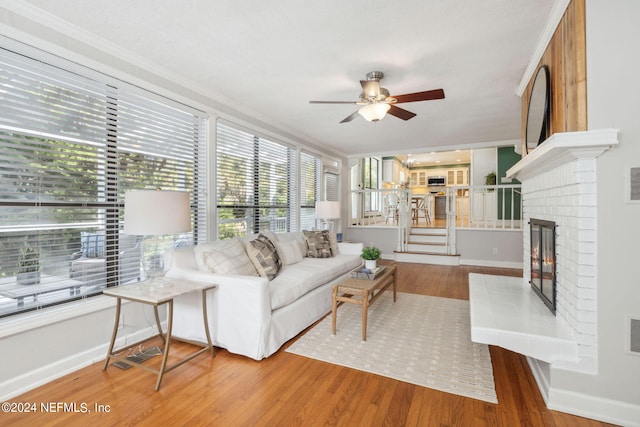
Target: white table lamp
{"x": 327, "y": 210}
{"x": 156, "y": 213}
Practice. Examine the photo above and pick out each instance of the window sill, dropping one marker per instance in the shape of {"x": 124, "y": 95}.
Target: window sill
{"x": 37, "y": 319}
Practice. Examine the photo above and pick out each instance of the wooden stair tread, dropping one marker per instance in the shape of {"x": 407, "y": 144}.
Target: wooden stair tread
{"x": 427, "y": 243}
{"x": 425, "y": 253}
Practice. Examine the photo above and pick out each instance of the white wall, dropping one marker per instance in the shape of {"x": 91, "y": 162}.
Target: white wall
{"x": 492, "y": 248}
{"x": 64, "y": 340}
{"x": 613, "y": 90}
{"x": 483, "y": 161}
{"x": 385, "y": 239}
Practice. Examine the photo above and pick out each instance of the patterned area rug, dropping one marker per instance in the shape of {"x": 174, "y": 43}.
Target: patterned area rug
{"x": 420, "y": 339}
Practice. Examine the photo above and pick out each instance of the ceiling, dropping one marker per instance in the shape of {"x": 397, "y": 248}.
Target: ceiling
{"x": 268, "y": 60}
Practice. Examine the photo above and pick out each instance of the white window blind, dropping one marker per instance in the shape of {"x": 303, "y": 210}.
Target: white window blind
{"x": 70, "y": 146}
{"x": 310, "y": 167}
{"x": 331, "y": 188}
{"x": 255, "y": 183}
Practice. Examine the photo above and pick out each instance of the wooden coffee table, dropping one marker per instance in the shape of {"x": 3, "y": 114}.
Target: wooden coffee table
{"x": 363, "y": 292}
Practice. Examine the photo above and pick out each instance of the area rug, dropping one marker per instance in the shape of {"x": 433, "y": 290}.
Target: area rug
{"x": 419, "y": 339}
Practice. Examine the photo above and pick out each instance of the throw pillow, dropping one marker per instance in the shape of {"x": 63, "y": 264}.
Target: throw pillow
{"x": 229, "y": 258}
{"x": 289, "y": 252}
{"x": 264, "y": 256}
{"x": 333, "y": 242}
{"x": 297, "y": 237}
{"x": 318, "y": 244}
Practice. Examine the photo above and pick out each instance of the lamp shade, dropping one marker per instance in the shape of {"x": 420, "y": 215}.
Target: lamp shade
{"x": 156, "y": 212}
{"x": 374, "y": 112}
{"x": 327, "y": 210}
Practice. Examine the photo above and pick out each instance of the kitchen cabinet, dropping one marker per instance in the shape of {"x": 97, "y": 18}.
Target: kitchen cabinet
{"x": 457, "y": 177}
{"x": 418, "y": 179}
{"x": 462, "y": 207}
{"x": 484, "y": 206}
{"x": 392, "y": 171}
{"x": 454, "y": 177}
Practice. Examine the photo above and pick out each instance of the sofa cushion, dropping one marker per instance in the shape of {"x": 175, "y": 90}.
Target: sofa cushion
{"x": 264, "y": 256}
{"x": 295, "y": 280}
{"x": 225, "y": 257}
{"x": 289, "y": 252}
{"x": 294, "y": 236}
{"x": 318, "y": 244}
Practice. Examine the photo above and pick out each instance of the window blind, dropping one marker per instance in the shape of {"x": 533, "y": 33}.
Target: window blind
{"x": 70, "y": 146}
{"x": 310, "y": 167}
{"x": 255, "y": 183}
{"x": 331, "y": 188}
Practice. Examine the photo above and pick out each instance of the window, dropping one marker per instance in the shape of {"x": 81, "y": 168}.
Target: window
{"x": 370, "y": 173}
{"x": 72, "y": 141}
{"x": 331, "y": 180}
{"x": 310, "y": 167}
{"x": 255, "y": 183}
{"x": 370, "y": 179}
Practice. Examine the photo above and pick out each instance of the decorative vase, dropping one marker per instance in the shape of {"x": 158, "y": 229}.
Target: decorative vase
{"x": 370, "y": 264}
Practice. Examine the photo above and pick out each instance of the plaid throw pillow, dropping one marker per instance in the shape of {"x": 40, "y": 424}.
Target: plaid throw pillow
{"x": 229, "y": 258}
{"x": 264, "y": 256}
{"x": 318, "y": 244}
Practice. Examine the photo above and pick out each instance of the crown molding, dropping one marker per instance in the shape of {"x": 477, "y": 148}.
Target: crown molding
{"x": 438, "y": 148}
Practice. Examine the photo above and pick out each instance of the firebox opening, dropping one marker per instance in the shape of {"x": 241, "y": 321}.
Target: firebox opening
{"x": 543, "y": 261}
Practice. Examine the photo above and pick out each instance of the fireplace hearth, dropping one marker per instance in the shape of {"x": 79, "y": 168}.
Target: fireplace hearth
{"x": 543, "y": 261}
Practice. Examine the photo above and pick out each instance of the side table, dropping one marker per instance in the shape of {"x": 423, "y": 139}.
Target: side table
{"x": 157, "y": 292}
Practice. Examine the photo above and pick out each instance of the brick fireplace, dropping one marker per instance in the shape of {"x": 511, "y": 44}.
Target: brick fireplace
{"x": 559, "y": 186}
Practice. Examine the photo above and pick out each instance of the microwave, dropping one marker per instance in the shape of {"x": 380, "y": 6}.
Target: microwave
{"x": 437, "y": 181}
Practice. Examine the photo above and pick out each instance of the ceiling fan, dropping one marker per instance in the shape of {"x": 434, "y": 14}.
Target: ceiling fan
{"x": 376, "y": 101}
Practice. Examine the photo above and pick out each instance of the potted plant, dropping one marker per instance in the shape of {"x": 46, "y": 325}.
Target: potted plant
{"x": 490, "y": 179}
{"x": 370, "y": 255}
{"x": 28, "y": 266}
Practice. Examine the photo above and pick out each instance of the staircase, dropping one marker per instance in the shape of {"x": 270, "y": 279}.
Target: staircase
{"x": 427, "y": 246}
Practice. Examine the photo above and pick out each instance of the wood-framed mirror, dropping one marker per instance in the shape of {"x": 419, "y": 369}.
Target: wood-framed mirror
{"x": 537, "y": 128}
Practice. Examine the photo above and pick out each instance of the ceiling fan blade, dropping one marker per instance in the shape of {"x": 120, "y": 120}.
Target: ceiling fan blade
{"x": 400, "y": 113}
{"x": 351, "y": 117}
{"x": 332, "y": 102}
{"x": 427, "y": 95}
{"x": 371, "y": 88}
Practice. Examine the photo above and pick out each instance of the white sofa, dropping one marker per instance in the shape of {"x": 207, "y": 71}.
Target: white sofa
{"x": 249, "y": 314}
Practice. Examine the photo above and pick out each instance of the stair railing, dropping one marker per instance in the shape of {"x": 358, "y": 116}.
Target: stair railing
{"x": 451, "y": 215}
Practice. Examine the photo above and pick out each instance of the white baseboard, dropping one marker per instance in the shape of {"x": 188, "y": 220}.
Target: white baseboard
{"x": 584, "y": 405}
{"x": 540, "y": 377}
{"x": 35, "y": 378}
{"x": 594, "y": 407}
{"x": 490, "y": 263}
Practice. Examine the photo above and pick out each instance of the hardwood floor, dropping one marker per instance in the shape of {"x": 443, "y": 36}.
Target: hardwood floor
{"x": 286, "y": 389}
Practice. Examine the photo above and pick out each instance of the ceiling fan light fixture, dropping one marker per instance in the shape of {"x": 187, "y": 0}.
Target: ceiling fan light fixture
{"x": 374, "y": 112}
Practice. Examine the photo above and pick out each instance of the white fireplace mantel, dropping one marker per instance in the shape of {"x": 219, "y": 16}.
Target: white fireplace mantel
{"x": 562, "y": 148}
